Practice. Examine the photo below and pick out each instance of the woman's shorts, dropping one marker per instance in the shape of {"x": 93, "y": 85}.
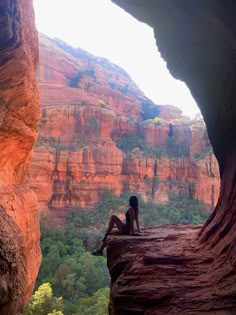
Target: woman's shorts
{"x": 126, "y": 228}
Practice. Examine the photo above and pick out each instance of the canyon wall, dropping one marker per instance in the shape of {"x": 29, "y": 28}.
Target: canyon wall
{"x": 98, "y": 130}
{"x": 20, "y": 253}
{"x": 197, "y": 40}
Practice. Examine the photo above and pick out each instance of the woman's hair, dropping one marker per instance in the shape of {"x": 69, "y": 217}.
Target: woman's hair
{"x": 133, "y": 202}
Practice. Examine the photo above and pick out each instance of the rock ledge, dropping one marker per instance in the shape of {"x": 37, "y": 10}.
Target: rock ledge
{"x": 162, "y": 271}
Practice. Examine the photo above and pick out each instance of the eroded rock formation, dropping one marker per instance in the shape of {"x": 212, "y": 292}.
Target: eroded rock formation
{"x": 20, "y": 253}
{"x": 88, "y": 104}
{"x": 197, "y": 40}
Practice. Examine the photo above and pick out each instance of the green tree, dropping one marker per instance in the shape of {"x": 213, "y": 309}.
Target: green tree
{"x": 181, "y": 209}
{"x": 130, "y": 142}
{"x": 73, "y": 272}
{"x": 43, "y": 302}
{"x": 109, "y": 201}
{"x": 92, "y": 125}
{"x": 175, "y": 149}
{"x": 97, "y": 304}
{"x": 54, "y": 312}
{"x": 157, "y": 120}
{"x": 79, "y": 217}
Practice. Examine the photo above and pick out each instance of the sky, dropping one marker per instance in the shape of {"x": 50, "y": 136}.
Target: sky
{"x": 105, "y": 30}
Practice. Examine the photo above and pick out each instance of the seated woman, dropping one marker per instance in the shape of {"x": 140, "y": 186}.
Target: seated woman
{"x": 126, "y": 228}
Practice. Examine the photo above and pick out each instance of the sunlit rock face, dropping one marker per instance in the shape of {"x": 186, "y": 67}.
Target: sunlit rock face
{"x": 20, "y": 253}
{"x": 197, "y": 40}
{"x": 88, "y": 104}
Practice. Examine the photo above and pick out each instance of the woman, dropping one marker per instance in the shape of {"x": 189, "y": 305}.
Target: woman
{"x": 126, "y": 228}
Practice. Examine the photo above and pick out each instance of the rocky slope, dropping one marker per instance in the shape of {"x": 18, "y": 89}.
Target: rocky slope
{"x": 99, "y": 131}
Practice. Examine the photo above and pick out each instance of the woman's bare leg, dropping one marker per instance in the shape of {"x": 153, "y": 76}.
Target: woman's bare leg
{"x": 104, "y": 244}
{"x": 114, "y": 220}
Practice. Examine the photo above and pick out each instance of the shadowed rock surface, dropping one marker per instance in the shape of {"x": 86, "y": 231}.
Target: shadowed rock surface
{"x": 197, "y": 39}
{"x": 163, "y": 272}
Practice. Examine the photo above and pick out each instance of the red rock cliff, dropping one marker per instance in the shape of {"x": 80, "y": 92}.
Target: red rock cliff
{"x": 202, "y": 54}
{"x": 20, "y": 253}
{"x": 88, "y": 104}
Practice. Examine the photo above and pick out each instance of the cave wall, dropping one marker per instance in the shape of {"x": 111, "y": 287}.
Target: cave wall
{"x": 20, "y": 254}
{"x": 197, "y": 40}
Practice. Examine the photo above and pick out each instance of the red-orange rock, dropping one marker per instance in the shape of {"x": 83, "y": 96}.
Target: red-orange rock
{"x": 169, "y": 112}
{"x": 19, "y": 111}
{"x": 76, "y": 77}
{"x": 89, "y": 103}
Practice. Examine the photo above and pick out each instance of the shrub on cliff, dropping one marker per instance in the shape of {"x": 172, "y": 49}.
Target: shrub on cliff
{"x": 92, "y": 126}
{"x": 102, "y": 103}
{"x": 130, "y": 142}
{"x": 157, "y": 121}
{"x": 153, "y": 152}
{"x": 175, "y": 149}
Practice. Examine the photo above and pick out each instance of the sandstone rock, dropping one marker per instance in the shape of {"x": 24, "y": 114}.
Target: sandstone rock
{"x": 169, "y": 112}
{"x": 208, "y": 287}
{"x": 163, "y": 272}
{"x": 87, "y": 105}
{"x": 20, "y": 116}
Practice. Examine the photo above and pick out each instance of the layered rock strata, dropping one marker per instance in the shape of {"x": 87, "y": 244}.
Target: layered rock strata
{"x": 20, "y": 253}
{"x": 197, "y": 39}
{"x": 88, "y": 106}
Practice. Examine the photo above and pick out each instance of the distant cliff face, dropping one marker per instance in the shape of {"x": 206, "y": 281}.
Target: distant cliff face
{"x": 98, "y": 130}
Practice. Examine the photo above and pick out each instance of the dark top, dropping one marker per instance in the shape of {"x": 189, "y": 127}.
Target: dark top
{"x": 127, "y": 217}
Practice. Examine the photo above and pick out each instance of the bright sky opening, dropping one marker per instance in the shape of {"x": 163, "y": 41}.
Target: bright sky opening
{"x": 105, "y": 30}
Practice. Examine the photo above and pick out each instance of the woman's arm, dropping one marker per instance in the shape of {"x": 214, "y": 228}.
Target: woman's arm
{"x": 137, "y": 223}
{"x": 132, "y": 216}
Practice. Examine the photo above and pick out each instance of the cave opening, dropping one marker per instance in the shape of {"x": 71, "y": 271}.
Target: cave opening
{"x": 88, "y": 78}
{"x": 210, "y": 75}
